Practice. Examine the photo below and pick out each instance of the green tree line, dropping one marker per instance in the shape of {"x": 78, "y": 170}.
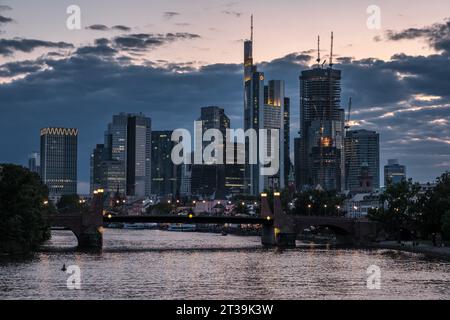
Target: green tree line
{"x": 23, "y": 204}
{"x": 406, "y": 209}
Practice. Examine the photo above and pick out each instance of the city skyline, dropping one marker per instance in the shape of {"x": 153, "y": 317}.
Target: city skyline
{"x": 405, "y": 98}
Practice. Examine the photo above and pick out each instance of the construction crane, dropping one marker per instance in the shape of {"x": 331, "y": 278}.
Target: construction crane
{"x": 347, "y": 125}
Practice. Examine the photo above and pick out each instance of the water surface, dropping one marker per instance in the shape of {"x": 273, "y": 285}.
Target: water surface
{"x": 144, "y": 264}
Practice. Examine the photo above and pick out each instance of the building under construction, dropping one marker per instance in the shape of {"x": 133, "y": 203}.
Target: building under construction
{"x": 322, "y": 120}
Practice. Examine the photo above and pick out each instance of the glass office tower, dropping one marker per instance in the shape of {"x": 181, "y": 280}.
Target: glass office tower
{"x": 59, "y": 161}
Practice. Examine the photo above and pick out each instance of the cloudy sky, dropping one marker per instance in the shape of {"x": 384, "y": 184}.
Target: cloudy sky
{"x": 168, "y": 58}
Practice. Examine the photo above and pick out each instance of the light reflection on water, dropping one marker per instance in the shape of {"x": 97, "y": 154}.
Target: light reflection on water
{"x": 163, "y": 265}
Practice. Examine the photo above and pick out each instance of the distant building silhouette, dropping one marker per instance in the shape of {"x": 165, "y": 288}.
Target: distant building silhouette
{"x": 125, "y": 157}
{"x": 165, "y": 174}
{"x": 208, "y": 180}
{"x": 34, "y": 162}
{"x": 362, "y": 153}
{"x": 106, "y": 173}
{"x": 394, "y": 172}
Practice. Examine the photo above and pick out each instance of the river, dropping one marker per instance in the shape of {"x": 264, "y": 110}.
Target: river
{"x": 151, "y": 264}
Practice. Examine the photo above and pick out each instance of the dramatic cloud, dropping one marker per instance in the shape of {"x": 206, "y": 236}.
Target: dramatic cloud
{"x": 437, "y": 35}
{"x": 13, "y": 69}
{"x": 145, "y": 41}
{"x": 406, "y": 98}
{"x": 9, "y": 46}
{"x": 102, "y": 27}
{"x": 98, "y": 27}
{"x": 170, "y": 14}
{"x": 121, "y": 28}
{"x": 4, "y": 20}
{"x": 233, "y": 13}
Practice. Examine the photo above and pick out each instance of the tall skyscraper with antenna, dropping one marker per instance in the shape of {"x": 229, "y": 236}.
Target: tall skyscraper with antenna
{"x": 321, "y": 150}
{"x": 263, "y": 109}
{"x": 253, "y": 105}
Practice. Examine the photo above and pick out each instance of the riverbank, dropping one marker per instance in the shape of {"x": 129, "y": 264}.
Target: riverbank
{"x": 422, "y": 248}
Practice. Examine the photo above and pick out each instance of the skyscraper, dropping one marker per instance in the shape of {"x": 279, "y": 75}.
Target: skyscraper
{"x": 287, "y": 139}
{"x": 128, "y": 139}
{"x": 209, "y": 179}
{"x": 273, "y": 117}
{"x": 394, "y": 172}
{"x": 263, "y": 109}
{"x": 138, "y": 155}
{"x": 59, "y": 161}
{"x": 322, "y": 128}
{"x": 234, "y": 173}
{"x": 99, "y": 155}
{"x": 362, "y": 153}
{"x": 165, "y": 175}
{"x": 34, "y": 162}
{"x": 253, "y": 104}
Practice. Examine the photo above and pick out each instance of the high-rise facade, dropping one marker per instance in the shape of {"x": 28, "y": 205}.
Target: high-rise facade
{"x": 127, "y": 149}
{"x": 263, "y": 109}
{"x": 208, "y": 179}
{"x": 165, "y": 174}
{"x": 138, "y": 155}
{"x": 394, "y": 172}
{"x": 321, "y": 158}
{"x": 234, "y": 173}
{"x": 362, "y": 160}
{"x": 59, "y": 161}
{"x": 34, "y": 162}
{"x": 287, "y": 139}
{"x": 273, "y": 117}
{"x": 99, "y": 155}
{"x": 253, "y": 105}
{"x": 106, "y": 173}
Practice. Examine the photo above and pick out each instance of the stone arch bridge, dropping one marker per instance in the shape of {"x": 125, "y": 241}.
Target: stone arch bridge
{"x": 277, "y": 228}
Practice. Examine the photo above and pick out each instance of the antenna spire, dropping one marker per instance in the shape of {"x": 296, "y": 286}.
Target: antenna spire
{"x": 251, "y": 35}
{"x": 331, "y": 52}
{"x": 318, "y": 50}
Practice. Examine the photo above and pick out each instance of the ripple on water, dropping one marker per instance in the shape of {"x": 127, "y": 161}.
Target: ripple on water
{"x": 143, "y": 264}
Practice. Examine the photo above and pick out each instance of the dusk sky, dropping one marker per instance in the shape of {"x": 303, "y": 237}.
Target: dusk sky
{"x": 169, "y": 58}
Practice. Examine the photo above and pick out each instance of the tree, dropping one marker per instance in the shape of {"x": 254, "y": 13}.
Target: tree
{"x": 70, "y": 203}
{"x": 445, "y": 229}
{"x": 284, "y": 197}
{"x": 23, "y": 204}
{"x": 241, "y": 208}
{"x": 160, "y": 209}
{"x": 399, "y": 208}
{"x": 433, "y": 204}
{"x": 317, "y": 203}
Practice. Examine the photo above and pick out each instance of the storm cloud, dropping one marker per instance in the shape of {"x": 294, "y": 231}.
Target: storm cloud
{"x": 405, "y": 98}
{"x": 437, "y": 35}
{"x": 9, "y": 46}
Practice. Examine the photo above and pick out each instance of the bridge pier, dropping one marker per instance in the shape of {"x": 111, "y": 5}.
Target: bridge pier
{"x": 86, "y": 225}
{"x": 268, "y": 238}
{"x": 90, "y": 236}
{"x": 281, "y": 233}
{"x": 90, "y": 239}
